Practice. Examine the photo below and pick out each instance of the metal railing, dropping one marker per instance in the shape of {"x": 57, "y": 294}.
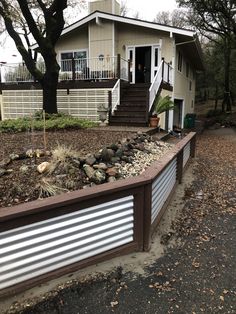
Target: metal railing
{"x": 102, "y": 68}
{"x": 164, "y": 74}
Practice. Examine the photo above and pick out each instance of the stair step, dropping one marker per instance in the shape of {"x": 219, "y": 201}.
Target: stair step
{"x": 131, "y": 109}
{"x": 131, "y": 119}
{"x": 129, "y": 114}
{"x": 138, "y": 124}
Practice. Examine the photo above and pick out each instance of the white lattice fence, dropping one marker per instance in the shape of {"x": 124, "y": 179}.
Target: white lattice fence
{"x": 81, "y": 103}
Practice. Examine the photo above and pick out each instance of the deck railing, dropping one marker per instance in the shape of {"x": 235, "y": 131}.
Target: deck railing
{"x": 164, "y": 75}
{"x": 86, "y": 69}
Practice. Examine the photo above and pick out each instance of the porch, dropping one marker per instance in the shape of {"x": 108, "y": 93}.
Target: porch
{"x": 84, "y": 85}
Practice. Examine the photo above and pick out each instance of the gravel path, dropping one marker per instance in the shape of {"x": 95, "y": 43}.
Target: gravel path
{"x": 196, "y": 276}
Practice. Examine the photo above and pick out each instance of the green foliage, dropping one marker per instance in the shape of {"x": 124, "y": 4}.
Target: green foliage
{"x": 163, "y": 104}
{"x": 53, "y": 122}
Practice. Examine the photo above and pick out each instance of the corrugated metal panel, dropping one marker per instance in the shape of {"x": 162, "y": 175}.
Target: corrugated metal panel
{"x": 36, "y": 249}
{"x": 81, "y": 103}
{"x": 162, "y": 187}
{"x": 186, "y": 154}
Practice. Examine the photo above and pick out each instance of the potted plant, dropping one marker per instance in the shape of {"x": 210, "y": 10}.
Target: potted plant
{"x": 161, "y": 104}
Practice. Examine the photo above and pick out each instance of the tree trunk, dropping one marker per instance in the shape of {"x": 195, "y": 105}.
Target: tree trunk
{"x": 49, "y": 85}
{"x": 227, "y": 98}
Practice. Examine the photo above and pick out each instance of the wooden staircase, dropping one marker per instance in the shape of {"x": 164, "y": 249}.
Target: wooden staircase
{"x": 133, "y": 108}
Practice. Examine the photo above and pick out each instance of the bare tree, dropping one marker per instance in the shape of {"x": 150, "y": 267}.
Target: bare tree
{"x": 216, "y": 21}
{"x": 176, "y": 18}
{"x": 41, "y": 22}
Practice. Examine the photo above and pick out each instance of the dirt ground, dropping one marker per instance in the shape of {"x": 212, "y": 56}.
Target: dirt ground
{"x": 23, "y": 182}
{"x": 196, "y": 270}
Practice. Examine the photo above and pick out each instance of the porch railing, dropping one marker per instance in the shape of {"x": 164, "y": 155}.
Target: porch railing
{"x": 101, "y": 68}
{"x": 164, "y": 74}
{"x": 115, "y": 96}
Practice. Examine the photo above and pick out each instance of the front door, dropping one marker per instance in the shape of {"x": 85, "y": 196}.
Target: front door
{"x": 144, "y": 62}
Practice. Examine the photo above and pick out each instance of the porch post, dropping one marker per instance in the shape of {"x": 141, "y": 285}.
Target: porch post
{"x": 109, "y": 105}
{"x": 168, "y": 73}
{"x": 129, "y": 74}
{"x": 163, "y": 65}
{"x": 73, "y": 68}
{"x": 118, "y": 67}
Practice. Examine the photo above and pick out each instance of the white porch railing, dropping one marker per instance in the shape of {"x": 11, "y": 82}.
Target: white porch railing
{"x": 124, "y": 69}
{"x": 102, "y": 68}
{"x": 115, "y": 96}
{"x": 164, "y": 74}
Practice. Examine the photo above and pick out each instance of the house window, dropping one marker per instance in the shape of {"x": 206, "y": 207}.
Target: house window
{"x": 190, "y": 85}
{"x": 187, "y": 69}
{"x": 79, "y": 59}
{"x": 180, "y": 61}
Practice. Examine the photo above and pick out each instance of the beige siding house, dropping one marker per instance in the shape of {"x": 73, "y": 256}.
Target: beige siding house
{"x": 142, "y": 59}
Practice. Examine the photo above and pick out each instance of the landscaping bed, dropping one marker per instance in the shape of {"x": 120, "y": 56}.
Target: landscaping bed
{"x": 70, "y": 160}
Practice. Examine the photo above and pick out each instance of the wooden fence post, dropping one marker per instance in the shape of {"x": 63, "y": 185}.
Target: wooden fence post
{"x": 118, "y": 66}
{"x": 193, "y": 146}
{"x": 180, "y": 157}
{"x": 73, "y": 68}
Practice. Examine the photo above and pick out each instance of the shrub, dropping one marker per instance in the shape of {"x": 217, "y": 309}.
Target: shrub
{"x": 53, "y": 122}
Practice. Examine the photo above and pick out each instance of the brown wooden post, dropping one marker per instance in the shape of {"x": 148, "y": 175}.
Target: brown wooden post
{"x": 129, "y": 73}
{"x": 118, "y": 67}
{"x": 193, "y": 146}
{"x": 147, "y": 217}
{"x": 163, "y": 67}
{"x": 168, "y": 74}
{"x": 73, "y": 68}
{"x": 180, "y": 157}
{"x": 109, "y": 105}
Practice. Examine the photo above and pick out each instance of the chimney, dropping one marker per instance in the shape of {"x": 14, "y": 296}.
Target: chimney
{"x": 108, "y": 6}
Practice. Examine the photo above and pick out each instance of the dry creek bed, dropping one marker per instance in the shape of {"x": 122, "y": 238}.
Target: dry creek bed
{"x": 72, "y": 160}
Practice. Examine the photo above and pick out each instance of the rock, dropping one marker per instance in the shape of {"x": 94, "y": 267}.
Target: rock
{"x": 76, "y": 162}
{"x": 90, "y": 160}
{"x": 126, "y": 159}
{"x": 115, "y": 159}
{"x": 107, "y": 154}
{"x": 111, "y": 179}
{"x": 140, "y": 146}
{"x": 39, "y": 153}
{"x": 101, "y": 166}
{"x": 24, "y": 168}
{"x": 99, "y": 176}
{"x": 43, "y": 167}
{"x": 98, "y": 156}
{"x": 113, "y": 147}
{"x": 119, "y": 153}
{"x": 112, "y": 172}
{"x": 2, "y": 172}
{"x": 14, "y": 156}
{"x": 5, "y": 162}
{"x": 29, "y": 153}
{"x": 88, "y": 170}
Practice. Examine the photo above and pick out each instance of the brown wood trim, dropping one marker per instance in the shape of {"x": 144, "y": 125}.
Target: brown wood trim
{"x": 70, "y": 84}
{"x": 180, "y": 158}
{"x": 125, "y": 249}
{"x": 138, "y": 217}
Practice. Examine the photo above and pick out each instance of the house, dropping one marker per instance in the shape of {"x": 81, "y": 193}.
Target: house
{"x": 123, "y": 63}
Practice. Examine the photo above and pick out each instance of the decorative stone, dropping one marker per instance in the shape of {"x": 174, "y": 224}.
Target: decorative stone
{"x": 90, "y": 160}
{"x": 99, "y": 176}
{"x": 29, "y": 153}
{"x": 5, "y": 162}
{"x": 119, "y": 153}
{"x": 24, "y": 168}
{"x": 112, "y": 172}
{"x": 111, "y": 179}
{"x": 107, "y": 154}
{"x": 113, "y": 147}
{"x": 115, "y": 159}
{"x": 88, "y": 170}
{"x": 43, "y": 167}
{"x": 39, "y": 153}
{"x": 14, "y": 156}
{"x": 101, "y": 166}
{"x": 2, "y": 172}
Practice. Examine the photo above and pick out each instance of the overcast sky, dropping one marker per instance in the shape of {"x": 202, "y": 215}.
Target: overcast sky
{"x": 147, "y": 10}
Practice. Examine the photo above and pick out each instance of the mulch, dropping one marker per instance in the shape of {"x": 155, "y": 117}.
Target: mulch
{"x": 19, "y": 186}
